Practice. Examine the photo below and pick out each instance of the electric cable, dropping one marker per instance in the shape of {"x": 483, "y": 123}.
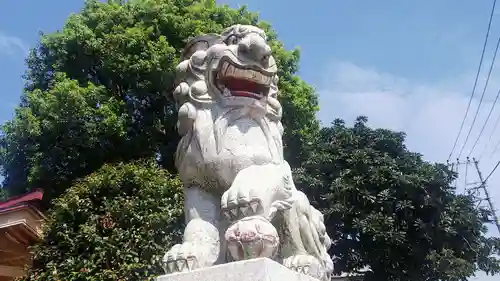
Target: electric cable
{"x": 477, "y": 77}
{"x": 479, "y": 105}
{"x": 494, "y": 102}
{"x": 495, "y": 149}
{"x": 491, "y": 173}
{"x": 490, "y": 137}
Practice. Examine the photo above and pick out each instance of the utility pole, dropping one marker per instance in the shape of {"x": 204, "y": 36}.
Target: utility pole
{"x": 486, "y": 193}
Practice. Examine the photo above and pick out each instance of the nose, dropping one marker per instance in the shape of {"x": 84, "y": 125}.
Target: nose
{"x": 255, "y": 48}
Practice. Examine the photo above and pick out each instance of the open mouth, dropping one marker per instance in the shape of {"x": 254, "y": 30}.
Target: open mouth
{"x": 233, "y": 80}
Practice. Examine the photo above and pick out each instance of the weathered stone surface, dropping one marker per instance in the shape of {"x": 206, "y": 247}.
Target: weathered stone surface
{"x": 240, "y": 199}
{"x": 261, "y": 269}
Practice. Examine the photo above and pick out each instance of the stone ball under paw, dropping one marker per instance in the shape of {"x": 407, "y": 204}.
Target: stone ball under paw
{"x": 252, "y": 237}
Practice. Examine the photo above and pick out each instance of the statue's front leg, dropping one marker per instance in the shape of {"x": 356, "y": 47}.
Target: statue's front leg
{"x": 305, "y": 241}
{"x": 201, "y": 246}
{"x": 256, "y": 195}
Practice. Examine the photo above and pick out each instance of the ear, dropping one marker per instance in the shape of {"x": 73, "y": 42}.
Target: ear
{"x": 202, "y": 42}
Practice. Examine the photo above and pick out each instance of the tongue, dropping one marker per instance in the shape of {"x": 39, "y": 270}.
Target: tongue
{"x": 241, "y": 86}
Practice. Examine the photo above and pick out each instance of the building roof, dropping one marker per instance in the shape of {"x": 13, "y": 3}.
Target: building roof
{"x": 20, "y": 227}
{"x": 16, "y": 202}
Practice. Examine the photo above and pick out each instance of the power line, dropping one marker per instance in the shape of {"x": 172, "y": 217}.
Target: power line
{"x": 492, "y": 171}
{"x": 491, "y": 135}
{"x": 495, "y": 149}
{"x": 477, "y": 77}
{"x": 479, "y": 105}
{"x": 492, "y": 106}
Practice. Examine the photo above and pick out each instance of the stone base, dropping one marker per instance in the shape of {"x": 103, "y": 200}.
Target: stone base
{"x": 262, "y": 269}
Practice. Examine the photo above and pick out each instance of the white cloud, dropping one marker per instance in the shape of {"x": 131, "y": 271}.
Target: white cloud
{"x": 11, "y": 44}
{"x": 429, "y": 114}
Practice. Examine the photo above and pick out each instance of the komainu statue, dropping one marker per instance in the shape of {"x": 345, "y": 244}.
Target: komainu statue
{"x": 240, "y": 199}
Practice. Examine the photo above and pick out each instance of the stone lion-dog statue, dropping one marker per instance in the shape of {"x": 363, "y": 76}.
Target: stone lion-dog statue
{"x": 240, "y": 199}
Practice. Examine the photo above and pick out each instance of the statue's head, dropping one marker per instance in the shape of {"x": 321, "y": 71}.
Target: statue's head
{"x": 233, "y": 69}
{"x": 229, "y": 116}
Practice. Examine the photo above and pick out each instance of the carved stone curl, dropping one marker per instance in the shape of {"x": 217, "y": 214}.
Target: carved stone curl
{"x": 240, "y": 200}
{"x": 252, "y": 237}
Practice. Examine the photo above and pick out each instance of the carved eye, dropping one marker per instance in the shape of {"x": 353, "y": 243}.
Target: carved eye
{"x": 232, "y": 40}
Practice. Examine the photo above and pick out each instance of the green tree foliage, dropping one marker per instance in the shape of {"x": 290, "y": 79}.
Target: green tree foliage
{"x": 388, "y": 209}
{"x": 66, "y": 132}
{"x": 3, "y": 195}
{"x": 123, "y": 54}
{"x": 114, "y": 225}
{"x": 98, "y": 97}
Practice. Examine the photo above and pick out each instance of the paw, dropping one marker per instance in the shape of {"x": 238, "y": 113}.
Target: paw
{"x": 181, "y": 258}
{"x": 241, "y": 201}
{"x": 306, "y": 264}
{"x": 258, "y": 190}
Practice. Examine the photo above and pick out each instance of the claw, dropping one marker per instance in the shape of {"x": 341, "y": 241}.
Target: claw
{"x": 180, "y": 265}
{"x": 307, "y": 265}
{"x": 306, "y": 269}
{"x": 171, "y": 267}
{"x": 191, "y": 263}
{"x": 227, "y": 214}
{"x": 244, "y": 210}
{"x": 241, "y": 210}
{"x": 180, "y": 258}
{"x": 255, "y": 206}
{"x": 234, "y": 212}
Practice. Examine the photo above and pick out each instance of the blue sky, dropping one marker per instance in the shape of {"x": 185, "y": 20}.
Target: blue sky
{"x": 426, "y": 41}
{"x": 407, "y": 65}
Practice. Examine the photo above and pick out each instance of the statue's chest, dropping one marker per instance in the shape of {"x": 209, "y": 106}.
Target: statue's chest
{"x": 245, "y": 137}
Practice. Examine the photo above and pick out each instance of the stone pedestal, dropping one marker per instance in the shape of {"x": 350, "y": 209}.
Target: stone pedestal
{"x": 262, "y": 269}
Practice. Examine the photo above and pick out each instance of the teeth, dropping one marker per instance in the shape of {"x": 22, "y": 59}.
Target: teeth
{"x": 246, "y": 74}
{"x": 236, "y": 72}
{"x": 224, "y": 68}
{"x": 259, "y": 77}
{"x": 229, "y": 70}
{"x": 240, "y": 72}
{"x": 250, "y": 74}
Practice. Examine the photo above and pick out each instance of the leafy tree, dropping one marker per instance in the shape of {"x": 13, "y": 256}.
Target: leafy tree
{"x": 66, "y": 132}
{"x": 115, "y": 61}
{"x": 388, "y": 209}
{"x": 113, "y": 225}
{"x": 3, "y": 195}
{"x": 98, "y": 93}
